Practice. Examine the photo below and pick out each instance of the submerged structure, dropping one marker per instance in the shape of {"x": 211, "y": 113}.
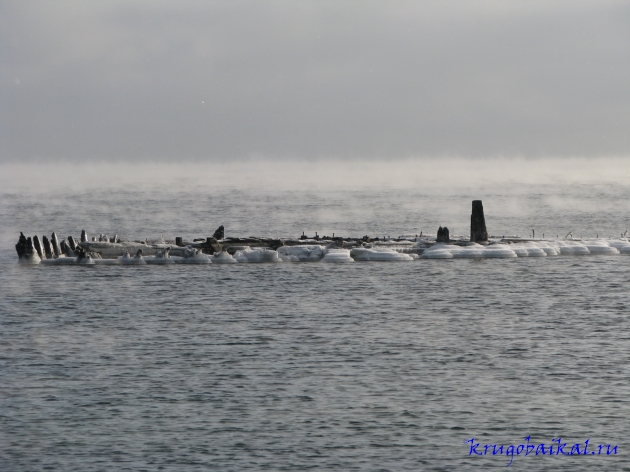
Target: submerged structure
{"x": 218, "y": 249}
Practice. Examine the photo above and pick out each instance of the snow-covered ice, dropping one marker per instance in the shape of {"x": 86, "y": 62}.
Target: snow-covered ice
{"x": 378, "y": 254}
{"x": 257, "y": 255}
{"x": 337, "y": 256}
{"x": 304, "y": 253}
{"x": 223, "y": 257}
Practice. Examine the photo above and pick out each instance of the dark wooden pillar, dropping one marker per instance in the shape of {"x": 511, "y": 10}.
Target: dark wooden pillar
{"x": 47, "y": 248}
{"x": 38, "y": 247}
{"x": 55, "y": 244}
{"x": 478, "y": 232}
{"x": 442, "y": 235}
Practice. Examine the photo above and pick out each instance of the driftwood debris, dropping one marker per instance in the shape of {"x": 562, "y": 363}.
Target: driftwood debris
{"x": 478, "y": 232}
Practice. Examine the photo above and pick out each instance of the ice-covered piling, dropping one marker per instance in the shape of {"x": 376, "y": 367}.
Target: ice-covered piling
{"x": 26, "y": 251}
{"x": 22, "y": 246}
{"x": 478, "y": 232}
{"x": 54, "y": 241}
{"x": 83, "y": 257}
{"x": 72, "y": 243}
{"x": 65, "y": 249}
{"x": 47, "y": 248}
{"x": 38, "y": 247}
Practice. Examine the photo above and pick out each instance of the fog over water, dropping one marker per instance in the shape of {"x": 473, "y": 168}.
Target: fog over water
{"x": 283, "y": 198}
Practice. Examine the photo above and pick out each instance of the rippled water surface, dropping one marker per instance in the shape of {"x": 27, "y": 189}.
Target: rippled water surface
{"x": 365, "y": 366}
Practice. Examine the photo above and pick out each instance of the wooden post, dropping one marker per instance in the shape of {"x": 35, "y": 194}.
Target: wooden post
{"x": 179, "y": 241}
{"x": 21, "y": 246}
{"x": 38, "y": 247}
{"x": 478, "y": 232}
{"x": 442, "y": 235}
{"x": 55, "y": 244}
{"x": 219, "y": 233}
{"x": 47, "y": 248}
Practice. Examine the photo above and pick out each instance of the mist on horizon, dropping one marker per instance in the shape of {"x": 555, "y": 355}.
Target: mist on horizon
{"x": 439, "y": 176}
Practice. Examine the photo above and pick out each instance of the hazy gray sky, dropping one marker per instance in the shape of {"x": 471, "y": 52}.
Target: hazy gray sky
{"x": 213, "y": 80}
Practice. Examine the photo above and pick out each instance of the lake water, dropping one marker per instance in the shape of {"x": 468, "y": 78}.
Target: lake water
{"x": 365, "y": 366}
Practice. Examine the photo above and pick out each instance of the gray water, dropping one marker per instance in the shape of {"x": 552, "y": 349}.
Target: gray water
{"x": 365, "y": 366}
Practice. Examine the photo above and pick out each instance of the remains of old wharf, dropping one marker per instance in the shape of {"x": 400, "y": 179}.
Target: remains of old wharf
{"x": 34, "y": 250}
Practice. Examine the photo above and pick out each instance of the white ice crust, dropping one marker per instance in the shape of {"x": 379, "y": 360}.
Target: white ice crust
{"x": 316, "y": 253}
{"x": 223, "y": 257}
{"x": 305, "y": 253}
{"x": 31, "y": 259}
{"x": 529, "y": 249}
{"x": 192, "y": 256}
{"x": 257, "y": 255}
{"x": 379, "y": 254}
{"x": 127, "y": 259}
{"x": 59, "y": 261}
{"x": 160, "y": 258}
{"x": 65, "y": 261}
{"x": 337, "y": 256}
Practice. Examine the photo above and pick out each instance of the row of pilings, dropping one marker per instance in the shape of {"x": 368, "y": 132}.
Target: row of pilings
{"x": 53, "y": 248}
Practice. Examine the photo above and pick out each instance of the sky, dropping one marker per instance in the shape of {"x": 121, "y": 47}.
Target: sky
{"x": 223, "y": 81}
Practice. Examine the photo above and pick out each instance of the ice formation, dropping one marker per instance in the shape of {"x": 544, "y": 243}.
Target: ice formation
{"x": 601, "y": 248}
{"x": 31, "y": 259}
{"x": 337, "y": 256}
{"x": 69, "y": 261}
{"x": 106, "y": 262}
{"x": 469, "y": 251}
{"x": 622, "y": 245}
{"x": 30, "y": 251}
{"x": 62, "y": 260}
{"x": 528, "y": 250}
{"x": 379, "y": 254}
{"x": 161, "y": 257}
{"x": 126, "y": 258}
{"x": 499, "y": 251}
{"x": 306, "y": 253}
{"x": 257, "y": 255}
{"x": 450, "y": 251}
{"x": 192, "y": 256}
{"x": 223, "y": 257}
